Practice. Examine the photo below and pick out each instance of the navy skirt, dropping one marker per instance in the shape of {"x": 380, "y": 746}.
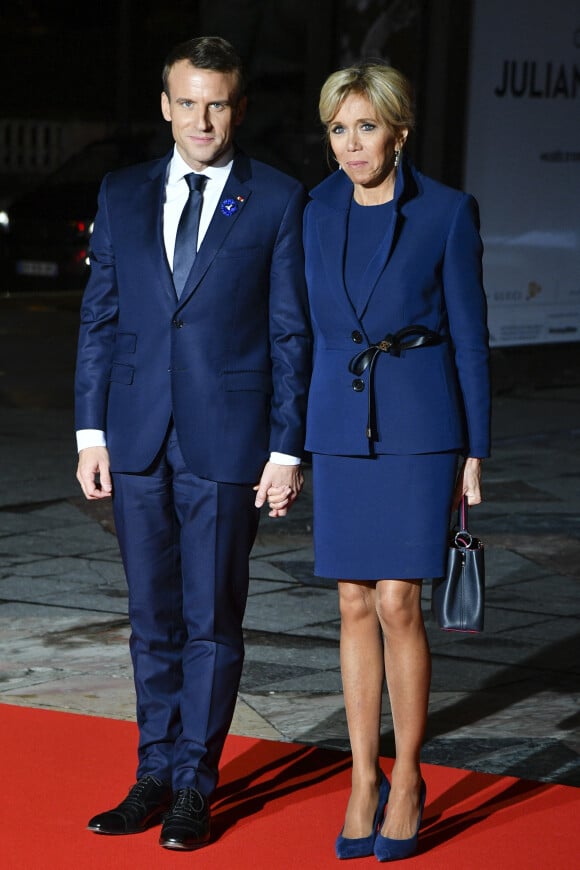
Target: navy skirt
{"x": 382, "y": 517}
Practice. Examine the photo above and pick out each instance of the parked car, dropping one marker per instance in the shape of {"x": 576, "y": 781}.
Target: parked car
{"x": 47, "y": 229}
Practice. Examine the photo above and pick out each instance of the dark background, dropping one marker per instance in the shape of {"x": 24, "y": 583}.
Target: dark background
{"x": 101, "y": 62}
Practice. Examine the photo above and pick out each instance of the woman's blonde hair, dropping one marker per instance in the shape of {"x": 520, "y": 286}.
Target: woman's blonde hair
{"x": 388, "y": 91}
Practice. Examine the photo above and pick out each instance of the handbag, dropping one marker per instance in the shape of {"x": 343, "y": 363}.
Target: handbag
{"x": 458, "y": 599}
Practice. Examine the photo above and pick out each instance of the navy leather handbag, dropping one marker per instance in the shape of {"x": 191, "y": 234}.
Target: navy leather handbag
{"x": 458, "y": 599}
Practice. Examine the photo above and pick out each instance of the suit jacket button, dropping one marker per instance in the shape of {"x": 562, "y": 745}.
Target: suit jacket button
{"x": 356, "y": 337}
{"x": 177, "y": 323}
{"x": 358, "y": 385}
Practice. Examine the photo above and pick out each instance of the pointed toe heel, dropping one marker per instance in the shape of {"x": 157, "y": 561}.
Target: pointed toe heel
{"x": 362, "y": 847}
{"x": 387, "y": 849}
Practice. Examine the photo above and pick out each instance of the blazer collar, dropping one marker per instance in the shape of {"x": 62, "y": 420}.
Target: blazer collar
{"x": 335, "y": 193}
{"x": 235, "y": 195}
{"x": 148, "y": 208}
{"x": 336, "y": 190}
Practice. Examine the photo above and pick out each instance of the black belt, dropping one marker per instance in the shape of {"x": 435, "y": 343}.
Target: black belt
{"x": 405, "y": 339}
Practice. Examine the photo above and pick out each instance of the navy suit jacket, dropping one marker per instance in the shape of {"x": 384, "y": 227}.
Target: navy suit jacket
{"x": 427, "y": 271}
{"x": 230, "y": 361}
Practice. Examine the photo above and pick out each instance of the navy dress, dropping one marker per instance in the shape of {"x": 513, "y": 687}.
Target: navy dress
{"x": 384, "y": 516}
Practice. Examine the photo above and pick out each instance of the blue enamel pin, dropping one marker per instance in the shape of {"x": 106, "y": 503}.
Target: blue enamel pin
{"x": 230, "y": 206}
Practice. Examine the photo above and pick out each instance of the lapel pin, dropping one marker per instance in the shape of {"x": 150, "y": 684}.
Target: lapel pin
{"x": 228, "y": 207}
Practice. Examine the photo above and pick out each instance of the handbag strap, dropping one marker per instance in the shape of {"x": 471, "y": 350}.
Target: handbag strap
{"x": 462, "y": 514}
{"x": 463, "y": 537}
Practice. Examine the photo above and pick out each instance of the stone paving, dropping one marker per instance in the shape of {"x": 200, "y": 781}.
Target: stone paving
{"x": 505, "y": 701}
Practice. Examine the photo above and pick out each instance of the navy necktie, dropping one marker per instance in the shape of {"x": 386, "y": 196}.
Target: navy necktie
{"x": 186, "y": 238}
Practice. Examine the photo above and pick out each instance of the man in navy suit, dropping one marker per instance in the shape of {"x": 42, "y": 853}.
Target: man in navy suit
{"x": 190, "y": 404}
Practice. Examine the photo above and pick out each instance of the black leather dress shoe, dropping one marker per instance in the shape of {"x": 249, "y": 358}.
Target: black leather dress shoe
{"x": 186, "y": 825}
{"x": 145, "y": 804}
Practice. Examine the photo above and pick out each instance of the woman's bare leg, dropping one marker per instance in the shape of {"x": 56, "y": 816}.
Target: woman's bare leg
{"x": 408, "y": 670}
{"x": 362, "y": 668}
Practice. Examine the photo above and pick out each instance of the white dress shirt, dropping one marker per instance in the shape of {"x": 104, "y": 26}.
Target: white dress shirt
{"x": 176, "y": 195}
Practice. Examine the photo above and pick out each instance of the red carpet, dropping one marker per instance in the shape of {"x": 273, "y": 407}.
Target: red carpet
{"x": 279, "y": 806}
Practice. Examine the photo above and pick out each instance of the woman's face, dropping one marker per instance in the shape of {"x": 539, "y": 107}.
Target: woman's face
{"x": 362, "y": 144}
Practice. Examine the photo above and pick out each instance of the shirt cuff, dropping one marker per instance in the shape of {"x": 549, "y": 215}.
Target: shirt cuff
{"x": 90, "y": 438}
{"x": 284, "y": 459}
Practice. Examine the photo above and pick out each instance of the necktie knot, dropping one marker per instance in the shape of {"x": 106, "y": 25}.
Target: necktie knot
{"x": 195, "y": 181}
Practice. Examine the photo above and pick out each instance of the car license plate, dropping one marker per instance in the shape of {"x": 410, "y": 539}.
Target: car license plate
{"x": 38, "y": 268}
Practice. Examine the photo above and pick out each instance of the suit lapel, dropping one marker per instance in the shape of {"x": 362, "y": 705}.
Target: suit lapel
{"x": 149, "y": 208}
{"x": 333, "y": 228}
{"x": 378, "y": 263}
{"x": 234, "y": 197}
{"x": 336, "y": 192}
{"x": 405, "y": 190}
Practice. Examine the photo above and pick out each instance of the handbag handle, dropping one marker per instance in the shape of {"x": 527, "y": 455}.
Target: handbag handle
{"x": 463, "y": 537}
{"x": 462, "y": 513}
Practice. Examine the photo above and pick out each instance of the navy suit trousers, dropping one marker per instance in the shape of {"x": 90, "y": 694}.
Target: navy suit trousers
{"x": 185, "y": 543}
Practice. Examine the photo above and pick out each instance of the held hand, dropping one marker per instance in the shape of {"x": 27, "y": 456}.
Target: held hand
{"x": 468, "y": 482}
{"x": 93, "y": 472}
{"x": 280, "y": 486}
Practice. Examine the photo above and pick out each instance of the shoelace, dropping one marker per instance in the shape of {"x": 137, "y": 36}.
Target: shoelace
{"x": 135, "y": 796}
{"x": 188, "y": 802}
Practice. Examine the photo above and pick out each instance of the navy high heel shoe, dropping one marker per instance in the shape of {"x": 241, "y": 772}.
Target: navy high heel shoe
{"x": 387, "y": 849}
{"x": 362, "y": 847}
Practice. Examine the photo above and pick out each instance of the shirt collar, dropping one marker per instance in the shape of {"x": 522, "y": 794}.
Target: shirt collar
{"x": 178, "y": 169}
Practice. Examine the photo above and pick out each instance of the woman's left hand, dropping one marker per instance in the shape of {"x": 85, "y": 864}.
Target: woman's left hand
{"x": 468, "y": 482}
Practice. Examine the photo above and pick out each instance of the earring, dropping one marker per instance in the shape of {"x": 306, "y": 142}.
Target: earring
{"x": 397, "y": 158}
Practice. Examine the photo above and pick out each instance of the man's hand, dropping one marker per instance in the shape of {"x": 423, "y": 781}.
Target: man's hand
{"x": 280, "y": 486}
{"x": 93, "y": 472}
{"x": 468, "y": 483}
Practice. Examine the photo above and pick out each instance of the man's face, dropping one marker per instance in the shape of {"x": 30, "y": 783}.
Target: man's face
{"x": 204, "y": 111}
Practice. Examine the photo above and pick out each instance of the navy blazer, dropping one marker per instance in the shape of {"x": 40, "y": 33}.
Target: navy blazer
{"x": 427, "y": 271}
{"x": 230, "y": 361}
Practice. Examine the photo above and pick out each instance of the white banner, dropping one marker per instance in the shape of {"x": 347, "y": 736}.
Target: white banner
{"x": 523, "y": 165}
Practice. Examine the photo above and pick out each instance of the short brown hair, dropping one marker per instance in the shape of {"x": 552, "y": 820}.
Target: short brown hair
{"x": 207, "y": 52}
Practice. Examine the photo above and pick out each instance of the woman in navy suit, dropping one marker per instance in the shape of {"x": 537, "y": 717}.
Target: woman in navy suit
{"x": 398, "y": 422}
